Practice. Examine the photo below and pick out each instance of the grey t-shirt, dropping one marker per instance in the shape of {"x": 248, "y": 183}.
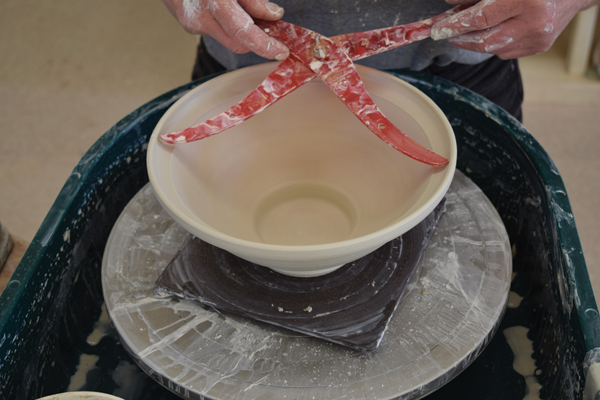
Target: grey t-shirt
{"x": 334, "y": 17}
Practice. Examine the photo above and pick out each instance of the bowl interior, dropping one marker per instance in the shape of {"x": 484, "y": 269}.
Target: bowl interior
{"x": 303, "y": 172}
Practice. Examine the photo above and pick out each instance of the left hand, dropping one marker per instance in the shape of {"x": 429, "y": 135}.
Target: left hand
{"x": 508, "y": 28}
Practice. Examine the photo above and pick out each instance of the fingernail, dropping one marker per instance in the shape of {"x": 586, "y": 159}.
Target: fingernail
{"x": 282, "y": 56}
{"x": 274, "y": 8}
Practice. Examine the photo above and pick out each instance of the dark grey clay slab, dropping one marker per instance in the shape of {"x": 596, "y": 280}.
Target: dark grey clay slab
{"x": 350, "y": 306}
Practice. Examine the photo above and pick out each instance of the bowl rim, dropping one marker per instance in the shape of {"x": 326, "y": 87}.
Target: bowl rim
{"x": 79, "y": 395}
{"x": 410, "y": 221}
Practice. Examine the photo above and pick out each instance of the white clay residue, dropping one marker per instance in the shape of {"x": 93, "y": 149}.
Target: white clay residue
{"x": 592, "y": 382}
{"x": 316, "y": 65}
{"x": 550, "y": 9}
{"x": 442, "y": 33}
{"x": 87, "y": 362}
{"x": 67, "y": 236}
{"x": 533, "y": 388}
{"x": 514, "y": 300}
{"x": 126, "y": 376}
{"x": 523, "y": 362}
{"x": 101, "y": 327}
{"x": 505, "y": 41}
{"x": 464, "y": 18}
{"x": 191, "y": 9}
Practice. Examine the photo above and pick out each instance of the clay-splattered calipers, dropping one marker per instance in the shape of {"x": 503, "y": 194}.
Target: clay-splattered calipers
{"x": 311, "y": 55}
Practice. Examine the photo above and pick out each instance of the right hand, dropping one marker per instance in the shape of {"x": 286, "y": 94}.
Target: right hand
{"x": 230, "y": 23}
{"x": 509, "y": 28}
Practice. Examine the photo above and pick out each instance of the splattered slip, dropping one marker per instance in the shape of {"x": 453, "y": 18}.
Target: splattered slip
{"x": 449, "y": 312}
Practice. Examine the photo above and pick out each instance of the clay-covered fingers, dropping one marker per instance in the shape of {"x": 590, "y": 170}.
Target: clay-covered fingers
{"x": 507, "y": 28}
{"x": 483, "y": 15}
{"x": 242, "y": 34}
{"x": 501, "y": 41}
{"x": 230, "y": 22}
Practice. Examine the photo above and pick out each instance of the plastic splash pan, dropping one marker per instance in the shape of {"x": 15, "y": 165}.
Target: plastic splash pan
{"x": 54, "y": 300}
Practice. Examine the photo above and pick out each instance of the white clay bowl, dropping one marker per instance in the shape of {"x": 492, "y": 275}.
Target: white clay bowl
{"x": 303, "y": 187}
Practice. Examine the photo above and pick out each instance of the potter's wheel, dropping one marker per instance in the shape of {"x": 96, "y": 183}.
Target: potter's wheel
{"x": 444, "y": 321}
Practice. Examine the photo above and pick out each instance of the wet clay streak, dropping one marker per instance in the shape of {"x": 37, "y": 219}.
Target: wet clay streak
{"x": 523, "y": 363}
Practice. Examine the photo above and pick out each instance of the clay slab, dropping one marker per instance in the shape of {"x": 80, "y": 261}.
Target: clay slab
{"x": 350, "y": 306}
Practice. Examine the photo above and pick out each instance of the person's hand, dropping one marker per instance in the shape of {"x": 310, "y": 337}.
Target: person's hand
{"x": 508, "y": 28}
{"x": 230, "y": 22}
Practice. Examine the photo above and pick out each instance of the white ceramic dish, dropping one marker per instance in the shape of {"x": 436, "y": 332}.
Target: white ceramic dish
{"x": 303, "y": 187}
